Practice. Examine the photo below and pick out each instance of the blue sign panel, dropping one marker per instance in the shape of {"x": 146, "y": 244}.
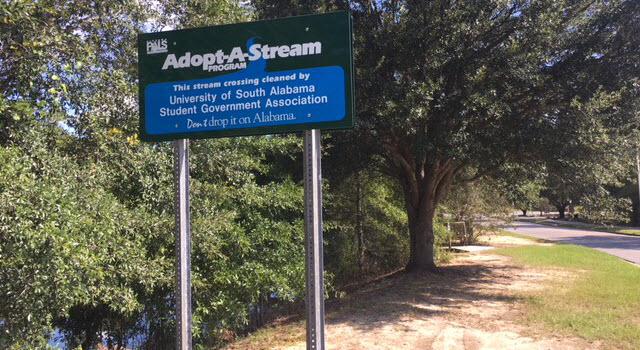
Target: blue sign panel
{"x": 288, "y": 75}
{"x": 247, "y": 99}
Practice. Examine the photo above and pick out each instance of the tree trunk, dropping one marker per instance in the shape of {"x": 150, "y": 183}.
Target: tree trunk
{"x": 422, "y": 250}
{"x": 561, "y": 210}
{"x": 425, "y": 181}
{"x": 524, "y": 212}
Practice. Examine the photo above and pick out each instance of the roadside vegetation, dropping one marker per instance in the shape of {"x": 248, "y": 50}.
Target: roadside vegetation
{"x": 595, "y": 295}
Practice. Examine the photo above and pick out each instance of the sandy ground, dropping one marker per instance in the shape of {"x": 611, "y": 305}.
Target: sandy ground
{"x": 472, "y": 304}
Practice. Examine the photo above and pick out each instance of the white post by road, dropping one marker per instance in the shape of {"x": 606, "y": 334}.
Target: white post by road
{"x": 183, "y": 246}
{"x": 313, "y": 244}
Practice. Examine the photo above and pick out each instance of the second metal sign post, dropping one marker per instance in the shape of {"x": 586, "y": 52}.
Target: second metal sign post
{"x": 313, "y": 246}
{"x": 183, "y": 245}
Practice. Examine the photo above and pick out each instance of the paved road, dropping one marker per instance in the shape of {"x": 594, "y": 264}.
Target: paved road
{"x": 625, "y": 247}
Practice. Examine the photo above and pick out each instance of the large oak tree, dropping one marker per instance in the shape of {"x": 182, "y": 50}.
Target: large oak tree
{"x": 448, "y": 88}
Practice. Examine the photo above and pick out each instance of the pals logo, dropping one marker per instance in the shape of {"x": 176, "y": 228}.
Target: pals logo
{"x": 156, "y": 46}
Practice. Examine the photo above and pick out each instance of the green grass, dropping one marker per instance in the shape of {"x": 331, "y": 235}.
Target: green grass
{"x": 611, "y": 229}
{"x": 601, "y": 301}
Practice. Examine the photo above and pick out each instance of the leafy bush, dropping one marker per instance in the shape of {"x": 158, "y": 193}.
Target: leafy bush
{"x": 86, "y": 245}
{"x": 603, "y": 208}
{"x": 64, "y": 243}
{"x": 443, "y": 237}
{"x": 366, "y": 227}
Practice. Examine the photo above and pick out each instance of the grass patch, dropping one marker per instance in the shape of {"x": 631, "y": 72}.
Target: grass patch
{"x": 601, "y": 303}
{"x": 277, "y": 336}
{"x": 579, "y": 225}
{"x": 629, "y": 232}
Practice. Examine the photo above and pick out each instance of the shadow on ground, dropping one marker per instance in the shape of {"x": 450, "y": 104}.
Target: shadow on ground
{"x": 472, "y": 304}
{"x": 423, "y": 295}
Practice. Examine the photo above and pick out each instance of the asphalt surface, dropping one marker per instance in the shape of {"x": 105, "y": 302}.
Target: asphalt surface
{"x": 625, "y": 247}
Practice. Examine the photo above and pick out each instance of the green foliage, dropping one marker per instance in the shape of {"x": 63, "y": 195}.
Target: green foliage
{"x": 603, "y": 208}
{"x": 443, "y": 237}
{"x": 67, "y": 242}
{"x": 365, "y": 229}
{"x": 521, "y": 185}
{"x": 525, "y": 196}
{"x": 247, "y": 238}
{"x": 95, "y": 237}
{"x": 593, "y": 137}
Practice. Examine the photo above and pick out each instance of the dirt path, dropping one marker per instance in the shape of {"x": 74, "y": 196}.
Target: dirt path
{"x": 472, "y": 304}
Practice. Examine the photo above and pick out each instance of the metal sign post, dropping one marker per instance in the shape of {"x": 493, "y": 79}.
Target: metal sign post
{"x": 313, "y": 246}
{"x": 183, "y": 246}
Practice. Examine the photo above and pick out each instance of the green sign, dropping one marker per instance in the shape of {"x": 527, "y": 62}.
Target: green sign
{"x": 253, "y": 78}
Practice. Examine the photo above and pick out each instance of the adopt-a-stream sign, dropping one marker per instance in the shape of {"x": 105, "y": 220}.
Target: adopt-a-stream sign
{"x": 262, "y": 77}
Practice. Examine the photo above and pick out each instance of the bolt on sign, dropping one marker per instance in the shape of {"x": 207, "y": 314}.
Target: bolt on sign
{"x": 264, "y": 77}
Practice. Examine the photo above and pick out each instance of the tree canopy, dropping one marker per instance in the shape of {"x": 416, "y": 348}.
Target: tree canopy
{"x": 444, "y": 87}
